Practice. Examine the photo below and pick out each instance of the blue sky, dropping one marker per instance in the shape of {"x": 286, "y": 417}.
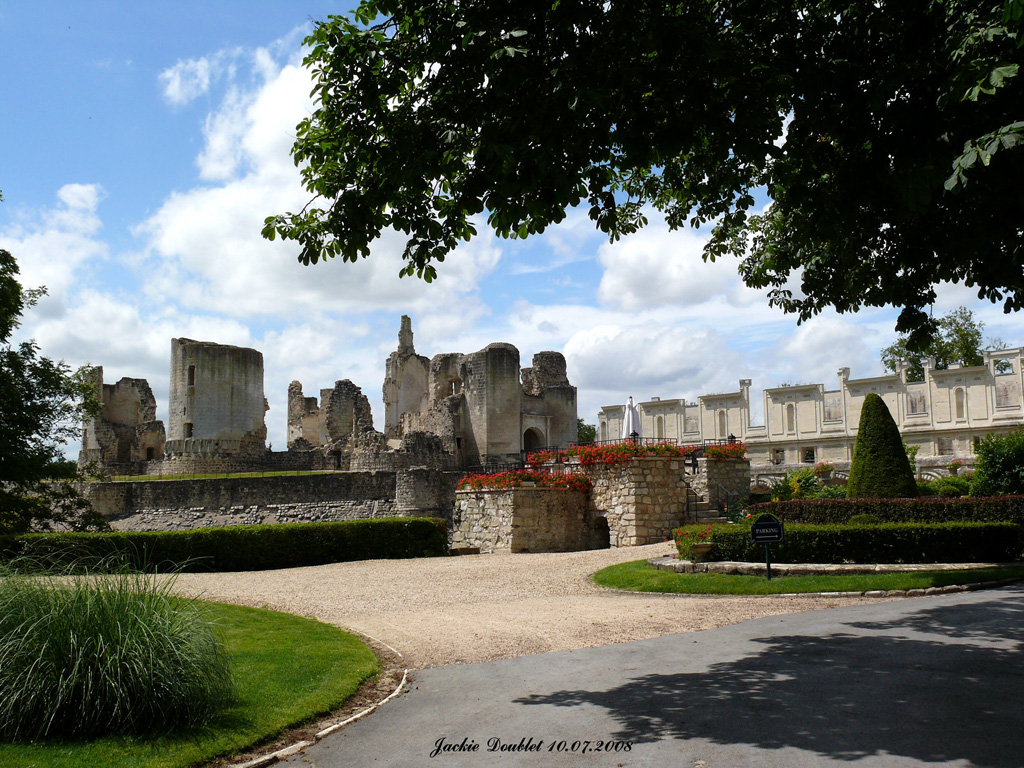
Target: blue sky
{"x": 144, "y": 143}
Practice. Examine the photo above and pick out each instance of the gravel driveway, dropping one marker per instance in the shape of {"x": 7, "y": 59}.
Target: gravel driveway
{"x": 472, "y": 608}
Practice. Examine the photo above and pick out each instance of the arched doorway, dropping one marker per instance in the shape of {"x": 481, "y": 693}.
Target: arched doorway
{"x": 533, "y": 439}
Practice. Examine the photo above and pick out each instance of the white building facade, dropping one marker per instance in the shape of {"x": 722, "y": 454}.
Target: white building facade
{"x": 945, "y": 415}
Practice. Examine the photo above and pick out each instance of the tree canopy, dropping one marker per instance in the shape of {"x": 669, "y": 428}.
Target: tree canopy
{"x": 886, "y": 134}
{"x": 41, "y": 406}
{"x": 958, "y": 340}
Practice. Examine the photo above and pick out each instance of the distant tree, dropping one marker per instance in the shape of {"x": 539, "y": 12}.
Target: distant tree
{"x": 999, "y": 468}
{"x": 880, "y": 468}
{"x": 958, "y": 340}
{"x": 42, "y": 403}
{"x": 888, "y": 136}
{"x": 585, "y": 433}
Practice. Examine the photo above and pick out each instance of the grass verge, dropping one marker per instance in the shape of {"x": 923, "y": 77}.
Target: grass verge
{"x": 638, "y": 576}
{"x": 287, "y": 670}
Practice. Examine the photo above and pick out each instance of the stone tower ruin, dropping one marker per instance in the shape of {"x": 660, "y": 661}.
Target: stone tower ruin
{"x": 126, "y": 429}
{"x": 216, "y": 400}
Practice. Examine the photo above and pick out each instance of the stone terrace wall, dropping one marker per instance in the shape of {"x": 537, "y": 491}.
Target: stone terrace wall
{"x": 178, "y": 504}
{"x": 522, "y": 520}
{"x": 720, "y": 479}
{"x": 643, "y": 499}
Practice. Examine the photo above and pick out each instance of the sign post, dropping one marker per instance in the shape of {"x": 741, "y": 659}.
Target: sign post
{"x": 766, "y": 530}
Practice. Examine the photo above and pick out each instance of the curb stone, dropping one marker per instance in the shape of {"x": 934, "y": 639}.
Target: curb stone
{"x": 670, "y": 563}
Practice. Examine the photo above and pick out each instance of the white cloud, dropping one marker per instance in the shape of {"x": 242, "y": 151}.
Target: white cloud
{"x": 186, "y": 80}
{"x": 659, "y": 267}
{"x": 53, "y": 245}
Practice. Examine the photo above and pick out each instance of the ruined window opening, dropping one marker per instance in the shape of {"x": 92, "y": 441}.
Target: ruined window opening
{"x": 150, "y": 454}
{"x": 809, "y": 456}
{"x": 187, "y": 429}
{"x": 791, "y": 418}
{"x": 191, "y": 375}
{"x": 961, "y": 405}
{"x": 458, "y": 443}
{"x": 779, "y": 456}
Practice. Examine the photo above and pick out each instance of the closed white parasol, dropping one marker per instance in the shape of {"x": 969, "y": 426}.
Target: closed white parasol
{"x": 631, "y": 428}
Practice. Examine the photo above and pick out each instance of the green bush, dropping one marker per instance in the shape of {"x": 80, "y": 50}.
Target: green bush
{"x": 954, "y": 486}
{"x": 864, "y": 519}
{"x": 880, "y": 543}
{"x": 237, "y": 548}
{"x": 880, "y": 467}
{"x": 85, "y": 656}
{"x": 925, "y": 510}
{"x": 999, "y": 467}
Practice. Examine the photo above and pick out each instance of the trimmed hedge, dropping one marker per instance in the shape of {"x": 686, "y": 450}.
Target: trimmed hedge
{"x": 932, "y": 509}
{"x": 883, "y": 543}
{"x": 235, "y": 548}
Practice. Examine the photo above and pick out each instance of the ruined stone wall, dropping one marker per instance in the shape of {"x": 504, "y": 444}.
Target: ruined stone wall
{"x": 126, "y": 428}
{"x": 493, "y": 401}
{"x": 182, "y": 504}
{"x": 726, "y": 480}
{"x": 522, "y": 520}
{"x": 216, "y": 399}
{"x": 643, "y": 499}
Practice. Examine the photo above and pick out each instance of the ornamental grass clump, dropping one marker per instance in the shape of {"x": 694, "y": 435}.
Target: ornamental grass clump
{"x": 85, "y": 656}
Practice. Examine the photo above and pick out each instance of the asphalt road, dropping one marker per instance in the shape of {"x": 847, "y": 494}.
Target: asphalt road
{"x": 918, "y": 682}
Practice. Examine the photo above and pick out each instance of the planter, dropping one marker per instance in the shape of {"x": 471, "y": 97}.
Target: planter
{"x": 700, "y": 552}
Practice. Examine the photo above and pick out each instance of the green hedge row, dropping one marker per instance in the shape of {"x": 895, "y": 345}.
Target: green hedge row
{"x": 883, "y": 543}
{"x": 920, "y": 510}
{"x": 235, "y": 548}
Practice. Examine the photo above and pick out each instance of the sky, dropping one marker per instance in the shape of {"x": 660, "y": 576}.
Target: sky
{"x": 142, "y": 144}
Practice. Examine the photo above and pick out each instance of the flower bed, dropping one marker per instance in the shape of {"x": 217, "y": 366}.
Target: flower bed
{"x": 502, "y": 481}
{"x": 619, "y": 453}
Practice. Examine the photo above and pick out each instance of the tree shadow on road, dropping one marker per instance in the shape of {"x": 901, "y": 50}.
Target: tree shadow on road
{"x": 940, "y": 684}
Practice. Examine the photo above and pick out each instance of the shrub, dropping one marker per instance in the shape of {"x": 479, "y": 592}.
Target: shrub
{"x": 878, "y": 543}
{"x": 238, "y": 547}
{"x": 880, "y": 467}
{"x": 85, "y": 656}
{"x": 926, "y": 510}
{"x": 864, "y": 519}
{"x": 950, "y": 487}
{"x": 999, "y": 468}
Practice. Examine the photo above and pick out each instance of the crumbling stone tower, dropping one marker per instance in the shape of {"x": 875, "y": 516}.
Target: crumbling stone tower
{"x": 217, "y": 405}
{"x": 126, "y": 429}
{"x": 341, "y": 413}
{"x": 406, "y": 377}
{"x": 484, "y": 409}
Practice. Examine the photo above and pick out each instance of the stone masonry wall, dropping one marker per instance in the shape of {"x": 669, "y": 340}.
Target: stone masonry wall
{"x": 522, "y": 520}
{"x": 179, "y": 504}
{"x": 643, "y": 500}
{"x": 727, "y": 479}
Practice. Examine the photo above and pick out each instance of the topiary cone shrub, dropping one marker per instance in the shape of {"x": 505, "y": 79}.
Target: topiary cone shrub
{"x": 880, "y": 468}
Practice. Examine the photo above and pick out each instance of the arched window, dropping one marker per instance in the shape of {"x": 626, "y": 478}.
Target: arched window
{"x": 723, "y": 426}
{"x": 791, "y": 418}
{"x": 961, "y": 404}
{"x": 659, "y": 428}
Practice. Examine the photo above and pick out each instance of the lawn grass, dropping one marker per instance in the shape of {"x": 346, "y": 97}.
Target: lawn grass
{"x": 638, "y": 576}
{"x": 287, "y": 670}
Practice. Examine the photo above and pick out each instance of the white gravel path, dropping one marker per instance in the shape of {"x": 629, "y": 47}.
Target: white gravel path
{"x": 473, "y": 608}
